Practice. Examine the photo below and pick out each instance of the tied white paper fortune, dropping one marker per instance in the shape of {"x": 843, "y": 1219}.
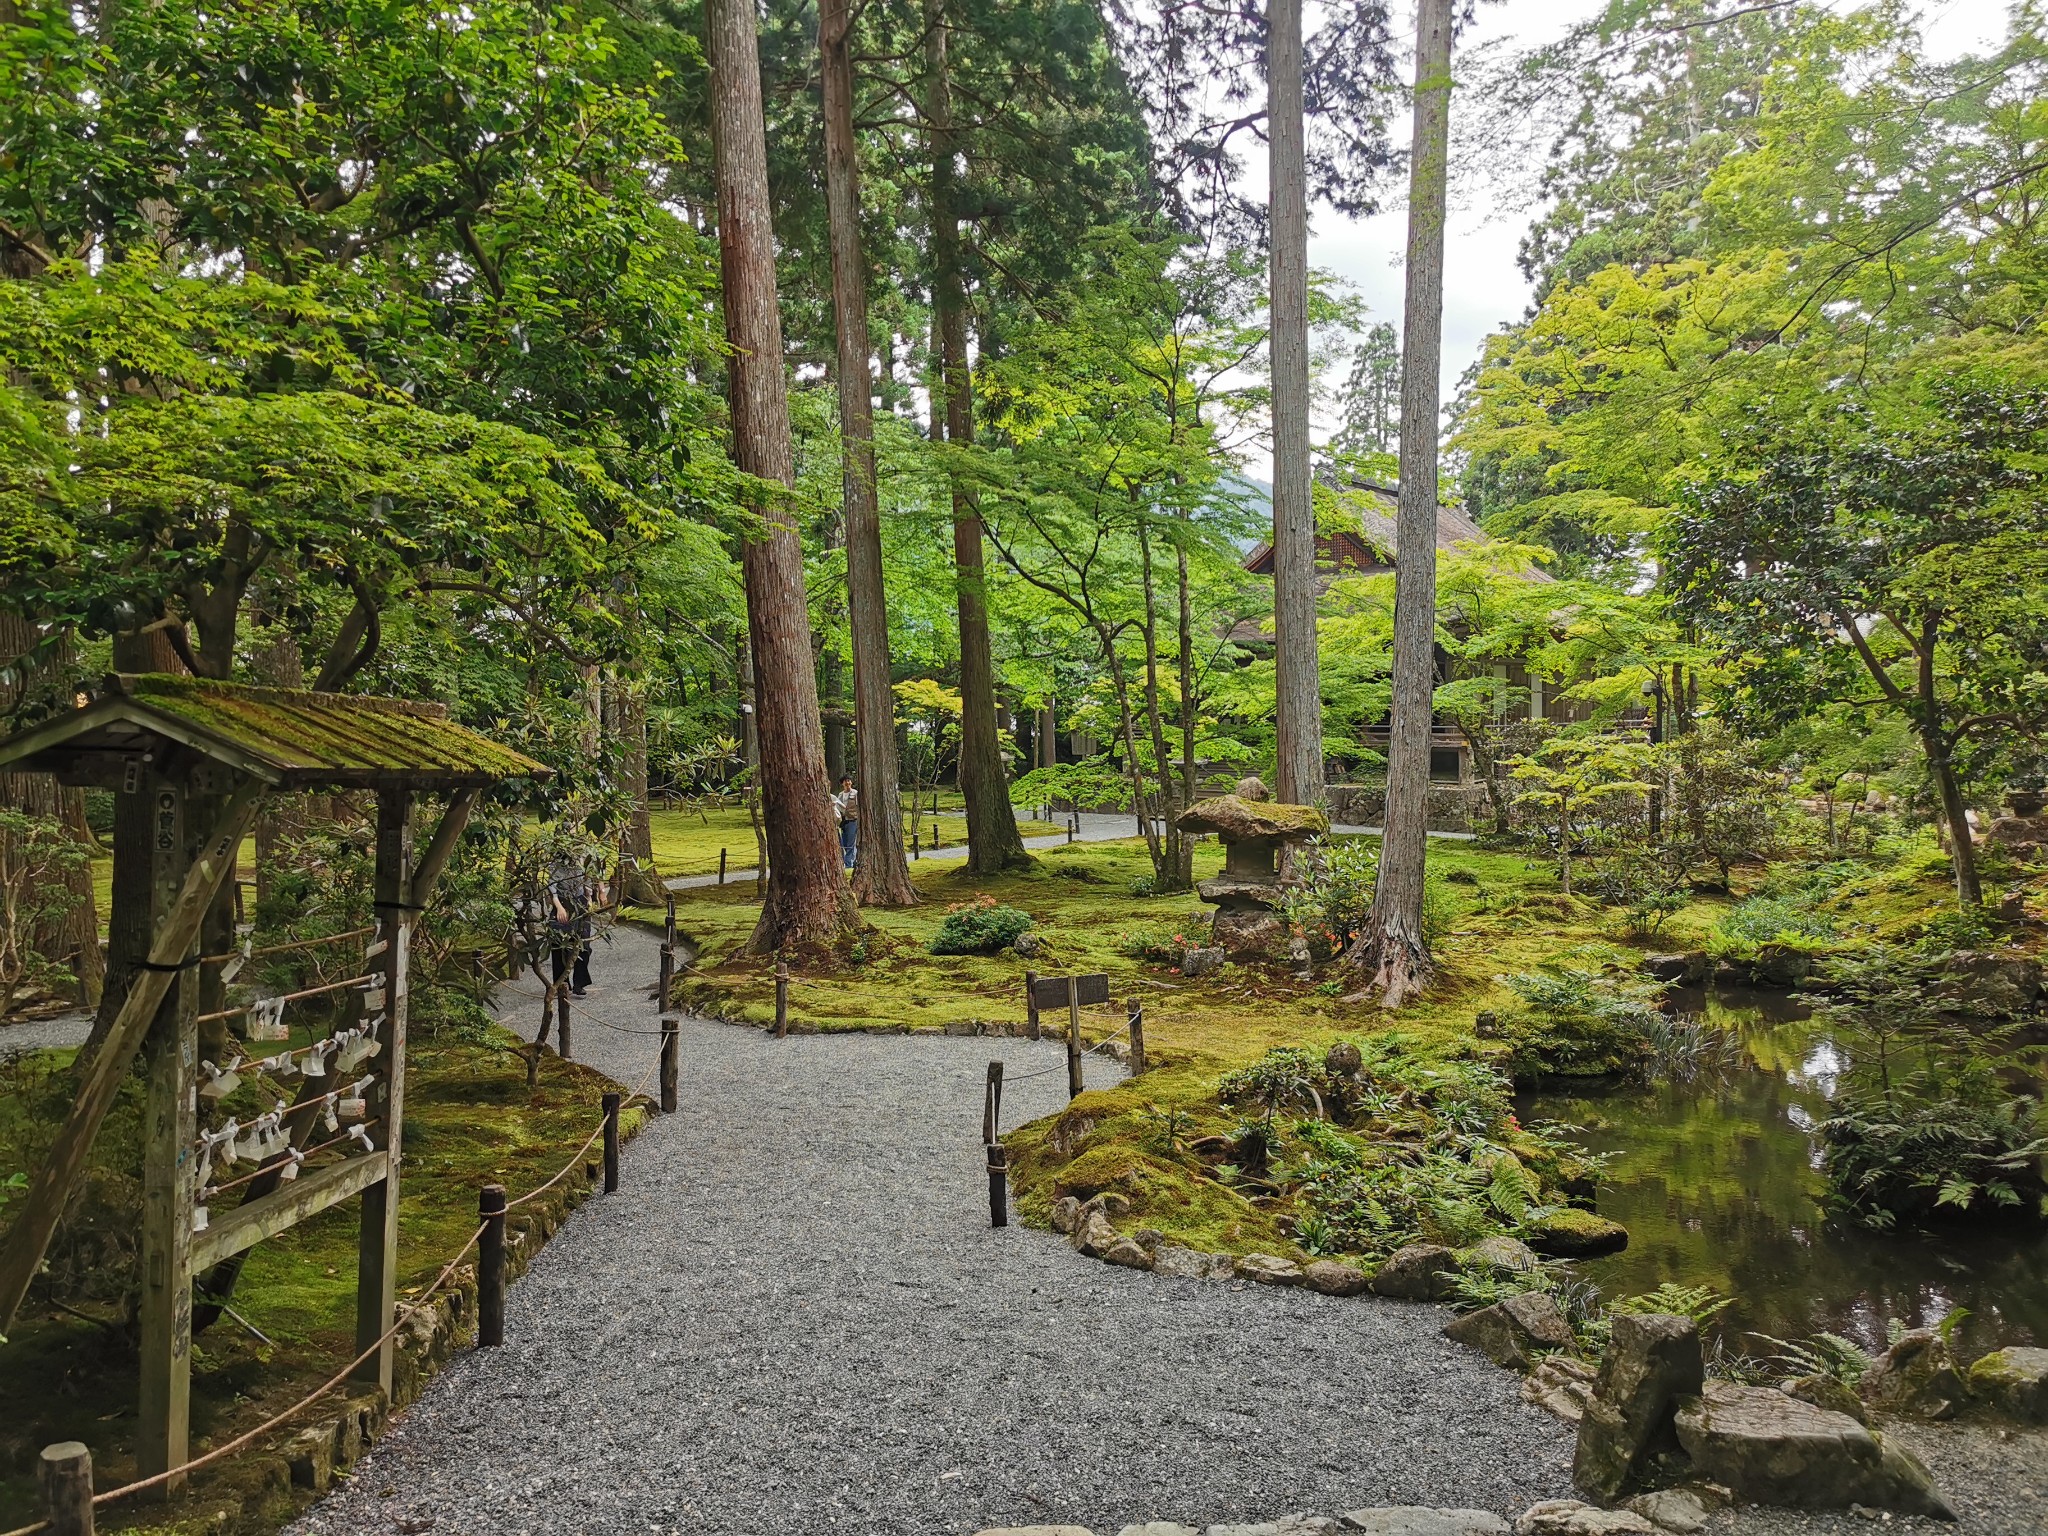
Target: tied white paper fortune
{"x": 232, "y": 966}
{"x": 314, "y": 1063}
{"x": 289, "y": 1171}
{"x": 375, "y": 948}
{"x": 266, "y": 1019}
{"x": 198, "y": 1218}
{"x": 360, "y": 1135}
{"x": 283, "y": 1064}
{"x": 373, "y": 997}
{"x": 359, "y": 1046}
{"x": 220, "y": 1081}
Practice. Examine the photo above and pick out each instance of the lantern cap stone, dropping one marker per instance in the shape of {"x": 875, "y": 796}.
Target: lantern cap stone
{"x": 1236, "y": 819}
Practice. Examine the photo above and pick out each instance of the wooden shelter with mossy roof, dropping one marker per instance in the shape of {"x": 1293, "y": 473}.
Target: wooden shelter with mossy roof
{"x": 189, "y": 761}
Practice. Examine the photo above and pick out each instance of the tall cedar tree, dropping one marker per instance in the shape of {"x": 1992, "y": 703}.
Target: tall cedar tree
{"x": 808, "y": 905}
{"x": 1297, "y": 686}
{"x": 993, "y": 842}
{"x": 880, "y": 874}
{"x": 1393, "y": 942}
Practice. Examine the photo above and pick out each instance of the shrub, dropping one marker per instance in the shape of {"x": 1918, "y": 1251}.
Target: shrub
{"x": 979, "y": 928}
{"x": 1331, "y": 905}
{"x": 1162, "y": 943}
{"x": 1789, "y": 919}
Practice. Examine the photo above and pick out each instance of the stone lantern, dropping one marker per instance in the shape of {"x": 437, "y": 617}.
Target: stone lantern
{"x": 1253, "y": 829}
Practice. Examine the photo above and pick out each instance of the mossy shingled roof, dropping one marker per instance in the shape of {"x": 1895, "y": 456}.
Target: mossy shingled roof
{"x": 287, "y": 737}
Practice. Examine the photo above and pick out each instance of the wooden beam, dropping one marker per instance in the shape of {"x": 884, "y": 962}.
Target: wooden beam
{"x": 285, "y": 1207}
{"x": 377, "y": 1241}
{"x": 439, "y": 848}
{"x": 172, "y": 946}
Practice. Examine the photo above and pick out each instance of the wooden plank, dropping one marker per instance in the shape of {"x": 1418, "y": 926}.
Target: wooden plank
{"x": 377, "y": 1241}
{"x": 1051, "y": 991}
{"x": 172, "y": 944}
{"x": 286, "y": 1206}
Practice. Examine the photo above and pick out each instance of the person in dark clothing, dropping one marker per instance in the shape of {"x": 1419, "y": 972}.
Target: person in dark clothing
{"x": 570, "y": 928}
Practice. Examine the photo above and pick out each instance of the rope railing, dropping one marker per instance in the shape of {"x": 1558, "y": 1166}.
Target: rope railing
{"x": 70, "y": 1490}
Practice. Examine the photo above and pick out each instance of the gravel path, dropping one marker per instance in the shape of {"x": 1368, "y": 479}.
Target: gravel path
{"x": 45, "y": 1034}
{"x": 794, "y": 1318}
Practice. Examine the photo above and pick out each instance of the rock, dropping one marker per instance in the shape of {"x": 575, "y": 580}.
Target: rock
{"x": 1421, "y": 1520}
{"x": 1515, "y": 1331}
{"x": 1418, "y": 1272}
{"x": 1673, "y": 1509}
{"x": 1568, "y": 1517}
{"x": 1201, "y": 962}
{"x": 1112, "y": 1203}
{"x": 1286, "y": 1525}
{"x": 2014, "y": 1381}
{"x": 1268, "y": 1270}
{"x": 1689, "y": 968}
{"x": 1560, "y": 1386}
{"x": 1093, "y": 1235}
{"x": 1652, "y": 1361}
{"x": 1342, "y": 1059}
{"x": 1235, "y": 819}
{"x": 1781, "y": 965}
{"x": 1498, "y": 1256}
{"x": 1990, "y": 983}
{"x": 1065, "y": 1212}
{"x": 1332, "y": 1278}
{"x": 1159, "y": 1528}
{"x": 1917, "y": 1376}
{"x": 1570, "y": 1233}
{"x": 1129, "y": 1254}
{"x": 1036, "y": 1530}
{"x": 1770, "y": 1448}
{"x": 1829, "y": 1392}
{"x": 1250, "y": 935}
{"x": 1028, "y": 945}
{"x": 310, "y": 1454}
{"x": 1187, "y": 1264}
{"x": 1149, "y": 1238}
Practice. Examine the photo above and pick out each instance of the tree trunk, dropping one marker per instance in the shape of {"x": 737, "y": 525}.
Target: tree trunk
{"x": 1167, "y": 867}
{"x": 639, "y": 882}
{"x": 75, "y": 936}
{"x": 1955, "y": 815}
{"x": 1186, "y": 660}
{"x": 993, "y": 842}
{"x": 881, "y": 876}
{"x": 1393, "y": 942}
{"x": 807, "y": 907}
{"x": 1297, "y": 702}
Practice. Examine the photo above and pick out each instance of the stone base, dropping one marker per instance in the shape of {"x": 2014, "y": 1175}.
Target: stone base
{"x": 1251, "y": 935}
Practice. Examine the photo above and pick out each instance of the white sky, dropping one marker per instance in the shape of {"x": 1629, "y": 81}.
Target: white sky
{"x": 1482, "y": 286}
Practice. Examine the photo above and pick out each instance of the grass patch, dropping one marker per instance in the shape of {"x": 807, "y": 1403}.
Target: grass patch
{"x": 687, "y": 842}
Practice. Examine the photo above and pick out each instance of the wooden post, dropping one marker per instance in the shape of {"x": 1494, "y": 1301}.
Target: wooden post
{"x": 998, "y": 1185}
{"x": 611, "y": 1143}
{"x": 1031, "y": 1029}
{"x": 490, "y": 1267}
{"x": 1073, "y": 1039}
{"x": 562, "y": 1019}
{"x": 935, "y": 832}
{"x": 377, "y": 1244}
{"x": 1137, "y": 1015}
{"x": 170, "y": 1126}
{"x": 992, "y": 1105}
{"x": 721, "y": 866}
{"x": 781, "y": 1000}
{"x": 667, "y": 975}
{"x": 1073, "y": 826}
{"x": 65, "y": 1472}
{"x": 671, "y": 1051}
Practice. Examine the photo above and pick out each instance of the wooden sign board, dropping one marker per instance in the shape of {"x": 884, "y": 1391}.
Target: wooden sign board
{"x": 1051, "y": 991}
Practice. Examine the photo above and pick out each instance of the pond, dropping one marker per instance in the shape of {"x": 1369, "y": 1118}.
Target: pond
{"x": 1718, "y": 1182}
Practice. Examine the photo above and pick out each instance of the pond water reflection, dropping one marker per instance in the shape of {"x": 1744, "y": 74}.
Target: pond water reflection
{"x": 1718, "y": 1182}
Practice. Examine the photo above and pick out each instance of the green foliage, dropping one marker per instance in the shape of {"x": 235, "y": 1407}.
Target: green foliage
{"x": 1578, "y": 1023}
{"x": 1822, "y": 1354}
{"x": 38, "y": 861}
{"x": 979, "y": 927}
{"x": 1789, "y": 919}
{"x": 1331, "y": 905}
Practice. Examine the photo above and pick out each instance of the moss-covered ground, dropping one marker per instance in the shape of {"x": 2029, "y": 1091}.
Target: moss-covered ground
{"x": 687, "y": 842}
{"x": 470, "y": 1120}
